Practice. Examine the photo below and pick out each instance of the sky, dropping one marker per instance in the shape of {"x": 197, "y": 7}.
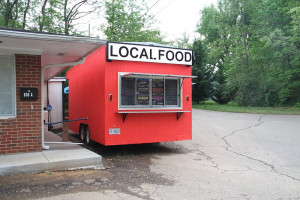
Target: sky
{"x": 174, "y": 17}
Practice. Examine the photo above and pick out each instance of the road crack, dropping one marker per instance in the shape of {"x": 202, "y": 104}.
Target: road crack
{"x": 229, "y": 148}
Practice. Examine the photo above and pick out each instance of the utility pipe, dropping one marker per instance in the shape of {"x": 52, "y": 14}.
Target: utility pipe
{"x": 42, "y": 93}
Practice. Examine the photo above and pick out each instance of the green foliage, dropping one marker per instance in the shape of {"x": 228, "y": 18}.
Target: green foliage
{"x": 233, "y": 107}
{"x": 12, "y": 13}
{"x": 254, "y": 48}
{"x": 202, "y": 86}
{"x": 54, "y": 16}
{"x": 217, "y": 51}
{"x": 129, "y": 22}
{"x": 182, "y": 42}
{"x": 297, "y": 105}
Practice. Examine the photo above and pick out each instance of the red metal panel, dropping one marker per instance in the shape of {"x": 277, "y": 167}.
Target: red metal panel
{"x": 146, "y": 127}
{"x": 86, "y": 94}
{"x": 90, "y": 86}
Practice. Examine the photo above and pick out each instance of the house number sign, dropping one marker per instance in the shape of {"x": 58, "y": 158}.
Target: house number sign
{"x": 29, "y": 94}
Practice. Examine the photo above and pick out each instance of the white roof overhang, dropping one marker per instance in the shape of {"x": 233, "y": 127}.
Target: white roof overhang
{"x": 158, "y": 76}
{"x": 53, "y": 48}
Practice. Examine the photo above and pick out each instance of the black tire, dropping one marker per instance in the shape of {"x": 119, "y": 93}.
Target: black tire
{"x": 87, "y": 136}
{"x": 82, "y": 133}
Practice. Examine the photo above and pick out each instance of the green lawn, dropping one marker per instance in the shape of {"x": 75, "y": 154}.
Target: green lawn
{"x": 232, "y": 107}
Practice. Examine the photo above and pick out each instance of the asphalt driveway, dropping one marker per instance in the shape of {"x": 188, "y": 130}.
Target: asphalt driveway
{"x": 231, "y": 156}
{"x": 235, "y": 156}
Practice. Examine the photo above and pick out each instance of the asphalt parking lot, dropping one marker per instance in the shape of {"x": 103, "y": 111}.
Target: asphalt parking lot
{"x": 235, "y": 156}
{"x": 231, "y": 156}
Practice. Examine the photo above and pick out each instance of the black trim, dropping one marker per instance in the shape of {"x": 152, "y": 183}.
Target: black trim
{"x": 124, "y": 116}
{"x": 178, "y": 115}
{"x": 106, "y": 46}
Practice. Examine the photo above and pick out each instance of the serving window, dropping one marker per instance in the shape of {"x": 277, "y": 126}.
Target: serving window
{"x": 149, "y": 92}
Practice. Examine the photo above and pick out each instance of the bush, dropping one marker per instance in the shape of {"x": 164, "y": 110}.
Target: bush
{"x": 297, "y": 105}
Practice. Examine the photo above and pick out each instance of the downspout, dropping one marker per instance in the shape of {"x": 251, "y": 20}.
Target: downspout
{"x": 42, "y": 93}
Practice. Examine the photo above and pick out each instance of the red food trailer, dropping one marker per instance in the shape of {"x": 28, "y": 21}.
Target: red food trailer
{"x": 132, "y": 93}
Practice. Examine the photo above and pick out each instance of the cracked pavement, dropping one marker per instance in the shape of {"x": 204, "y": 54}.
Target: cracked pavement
{"x": 236, "y": 156}
{"x": 231, "y": 156}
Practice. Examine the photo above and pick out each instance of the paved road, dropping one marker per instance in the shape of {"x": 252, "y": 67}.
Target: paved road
{"x": 235, "y": 156}
{"x": 231, "y": 156}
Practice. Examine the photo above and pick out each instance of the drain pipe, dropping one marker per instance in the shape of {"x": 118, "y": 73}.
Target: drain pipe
{"x": 42, "y": 93}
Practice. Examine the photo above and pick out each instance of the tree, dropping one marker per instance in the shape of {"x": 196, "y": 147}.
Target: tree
{"x": 128, "y": 22}
{"x": 202, "y": 87}
{"x": 182, "y": 42}
{"x": 26, "y": 10}
{"x": 54, "y": 16}
{"x": 213, "y": 29}
{"x": 252, "y": 46}
{"x": 74, "y": 10}
{"x": 14, "y": 13}
{"x": 42, "y": 18}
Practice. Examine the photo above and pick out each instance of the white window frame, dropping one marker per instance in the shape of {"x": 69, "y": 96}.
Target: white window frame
{"x": 149, "y": 107}
{"x": 14, "y": 106}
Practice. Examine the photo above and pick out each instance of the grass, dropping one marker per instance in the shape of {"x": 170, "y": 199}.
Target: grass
{"x": 232, "y": 107}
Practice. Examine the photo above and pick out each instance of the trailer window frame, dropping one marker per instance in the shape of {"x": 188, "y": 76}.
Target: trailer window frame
{"x": 150, "y": 105}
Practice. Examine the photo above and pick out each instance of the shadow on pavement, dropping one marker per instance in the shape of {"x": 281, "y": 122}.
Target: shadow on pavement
{"x": 131, "y": 150}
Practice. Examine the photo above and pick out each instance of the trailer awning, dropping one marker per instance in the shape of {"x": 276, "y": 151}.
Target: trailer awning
{"x": 143, "y": 75}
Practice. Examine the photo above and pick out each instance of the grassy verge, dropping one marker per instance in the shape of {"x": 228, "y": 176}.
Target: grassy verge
{"x": 232, "y": 107}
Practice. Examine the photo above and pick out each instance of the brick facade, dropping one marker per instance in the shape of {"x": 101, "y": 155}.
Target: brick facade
{"x": 24, "y": 133}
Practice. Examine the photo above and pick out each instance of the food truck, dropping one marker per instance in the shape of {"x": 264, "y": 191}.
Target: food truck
{"x": 131, "y": 93}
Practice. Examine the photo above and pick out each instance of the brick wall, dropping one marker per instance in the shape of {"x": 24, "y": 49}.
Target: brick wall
{"x": 24, "y": 133}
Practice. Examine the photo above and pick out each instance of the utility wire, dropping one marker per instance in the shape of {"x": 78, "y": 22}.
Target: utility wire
{"x": 151, "y": 7}
{"x": 170, "y": 2}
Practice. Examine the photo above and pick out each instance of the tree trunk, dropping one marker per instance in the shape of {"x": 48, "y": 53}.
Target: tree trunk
{"x": 42, "y": 21}
{"x": 25, "y": 14}
{"x": 69, "y": 17}
{"x": 66, "y": 18}
{"x": 244, "y": 36}
{"x": 8, "y": 11}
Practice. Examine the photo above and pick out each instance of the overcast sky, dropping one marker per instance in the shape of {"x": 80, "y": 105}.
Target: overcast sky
{"x": 175, "y": 17}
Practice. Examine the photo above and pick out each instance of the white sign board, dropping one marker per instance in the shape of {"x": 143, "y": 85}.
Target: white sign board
{"x": 114, "y": 131}
{"x": 143, "y": 53}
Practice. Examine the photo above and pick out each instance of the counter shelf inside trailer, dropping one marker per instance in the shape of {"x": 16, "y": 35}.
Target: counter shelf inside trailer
{"x": 129, "y": 99}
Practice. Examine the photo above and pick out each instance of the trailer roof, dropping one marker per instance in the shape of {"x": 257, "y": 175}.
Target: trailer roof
{"x": 150, "y": 44}
{"x": 144, "y": 75}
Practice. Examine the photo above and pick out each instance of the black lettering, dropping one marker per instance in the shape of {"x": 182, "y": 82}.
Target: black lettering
{"x": 160, "y": 54}
{"x": 151, "y": 56}
{"x": 126, "y": 51}
{"x": 131, "y": 54}
{"x": 144, "y": 53}
{"x": 181, "y": 56}
{"x": 188, "y": 56}
{"x": 111, "y": 52}
{"x": 172, "y": 55}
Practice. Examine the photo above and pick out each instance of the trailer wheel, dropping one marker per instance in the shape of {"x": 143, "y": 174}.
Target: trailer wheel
{"x": 87, "y": 136}
{"x": 82, "y": 132}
